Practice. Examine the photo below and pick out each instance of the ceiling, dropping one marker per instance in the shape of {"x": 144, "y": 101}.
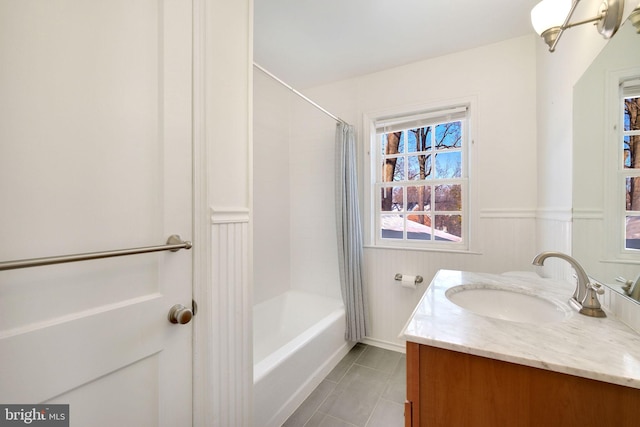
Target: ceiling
{"x": 311, "y": 42}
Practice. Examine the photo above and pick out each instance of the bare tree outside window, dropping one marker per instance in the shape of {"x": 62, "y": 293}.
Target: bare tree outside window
{"x": 631, "y": 159}
{"x": 632, "y": 150}
{"x": 417, "y": 203}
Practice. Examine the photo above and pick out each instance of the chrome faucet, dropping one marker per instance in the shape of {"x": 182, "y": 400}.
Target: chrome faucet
{"x": 585, "y": 296}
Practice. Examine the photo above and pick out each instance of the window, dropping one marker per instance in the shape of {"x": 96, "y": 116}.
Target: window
{"x": 629, "y": 166}
{"x": 420, "y": 176}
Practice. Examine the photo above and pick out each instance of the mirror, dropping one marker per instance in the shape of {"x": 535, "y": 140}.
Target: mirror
{"x": 592, "y": 243}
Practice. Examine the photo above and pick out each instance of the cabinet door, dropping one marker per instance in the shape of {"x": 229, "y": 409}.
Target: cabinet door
{"x": 448, "y": 388}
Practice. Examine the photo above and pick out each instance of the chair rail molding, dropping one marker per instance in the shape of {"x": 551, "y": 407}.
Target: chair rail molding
{"x": 555, "y": 214}
{"x": 229, "y": 215}
{"x": 592, "y": 213}
{"x": 508, "y": 213}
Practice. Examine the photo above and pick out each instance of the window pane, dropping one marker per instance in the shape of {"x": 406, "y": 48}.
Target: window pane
{"x": 391, "y": 226}
{"x": 632, "y": 188}
{"x": 449, "y": 227}
{"x": 393, "y": 169}
{"x": 414, "y": 168}
{"x": 631, "y": 145}
{"x": 419, "y": 167}
{"x": 398, "y": 174}
{"x": 419, "y": 140}
{"x": 392, "y": 143}
{"x": 449, "y": 165}
{"x": 419, "y": 198}
{"x": 631, "y": 154}
{"x": 448, "y": 197}
{"x": 632, "y": 235}
{"x": 412, "y": 145}
{"x": 391, "y": 199}
{"x": 419, "y": 227}
{"x": 627, "y": 152}
{"x": 448, "y": 135}
{"x": 632, "y": 113}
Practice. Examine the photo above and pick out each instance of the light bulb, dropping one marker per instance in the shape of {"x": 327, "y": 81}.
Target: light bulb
{"x": 549, "y": 13}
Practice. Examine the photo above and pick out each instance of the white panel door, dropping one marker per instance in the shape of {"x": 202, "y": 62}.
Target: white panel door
{"x": 96, "y": 154}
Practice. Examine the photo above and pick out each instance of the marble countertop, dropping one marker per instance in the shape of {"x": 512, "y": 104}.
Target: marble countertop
{"x": 603, "y": 349}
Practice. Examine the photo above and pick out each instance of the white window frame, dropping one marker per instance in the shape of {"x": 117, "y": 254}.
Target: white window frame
{"x": 615, "y": 198}
{"x": 419, "y": 116}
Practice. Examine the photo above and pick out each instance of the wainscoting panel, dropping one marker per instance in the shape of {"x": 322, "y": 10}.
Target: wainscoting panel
{"x": 554, "y": 228}
{"x": 231, "y": 318}
{"x": 506, "y": 243}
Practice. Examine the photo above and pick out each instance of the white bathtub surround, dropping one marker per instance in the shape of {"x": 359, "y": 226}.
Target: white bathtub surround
{"x": 299, "y": 314}
{"x": 294, "y": 209}
{"x": 349, "y": 235}
{"x": 298, "y": 340}
{"x": 595, "y": 348}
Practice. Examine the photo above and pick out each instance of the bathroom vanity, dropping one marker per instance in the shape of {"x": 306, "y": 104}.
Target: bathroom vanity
{"x": 530, "y": 360}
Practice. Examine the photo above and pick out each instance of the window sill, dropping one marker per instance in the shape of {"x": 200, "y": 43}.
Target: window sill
{"x": 439, "y": 250}
{"x": 620, "y": 261}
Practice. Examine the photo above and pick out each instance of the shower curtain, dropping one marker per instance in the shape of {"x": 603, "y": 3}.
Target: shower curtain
{"x": 350, "y": 252}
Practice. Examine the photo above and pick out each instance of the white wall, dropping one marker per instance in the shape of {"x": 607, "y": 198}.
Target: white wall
{"x": 501, "y": 77}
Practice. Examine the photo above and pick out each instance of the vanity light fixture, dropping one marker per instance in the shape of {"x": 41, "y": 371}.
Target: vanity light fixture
{"x": 634, "y": 18}
{"x": 551, "y": 17}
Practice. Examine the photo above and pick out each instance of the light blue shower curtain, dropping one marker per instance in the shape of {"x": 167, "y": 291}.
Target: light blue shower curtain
{"x": 350, "y": 252}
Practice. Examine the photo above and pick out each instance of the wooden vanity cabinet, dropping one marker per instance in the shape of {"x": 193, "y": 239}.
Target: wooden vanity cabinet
{"x": 450, "y": 389}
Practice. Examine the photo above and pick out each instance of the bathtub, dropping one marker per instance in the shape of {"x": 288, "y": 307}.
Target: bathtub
{"x": 298, "y": 340}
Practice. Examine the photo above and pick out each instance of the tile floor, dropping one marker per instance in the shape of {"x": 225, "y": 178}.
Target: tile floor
{"x": 366, "y": 389}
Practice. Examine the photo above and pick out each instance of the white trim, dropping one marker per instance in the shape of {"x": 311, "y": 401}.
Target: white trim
{"x": 202, "y": 362}
{"x": 621, "y": 261}
{"x": 384, "y": 344}
{"x": 425, "y": 118}
{"x": 508, "y": 213}
{"x": 229, "y": 215}
{"x": 588, "y": 214}
{"x": 222, "y": 345}
{"x": 470, "y": 213}
{"x": 368, "y": 132}
{"x": 423, "y": 249}
{"x": 614, "y": 193}
{"x": 555, "y": 214}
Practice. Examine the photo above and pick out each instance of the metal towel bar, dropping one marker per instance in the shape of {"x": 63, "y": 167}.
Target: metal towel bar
{"x": 174, "y": 244}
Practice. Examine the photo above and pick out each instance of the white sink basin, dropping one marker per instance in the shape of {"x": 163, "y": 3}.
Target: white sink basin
{"x": 514, "y": 304}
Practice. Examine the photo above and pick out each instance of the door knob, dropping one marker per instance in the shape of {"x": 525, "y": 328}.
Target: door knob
{"x": 180, "y": 314}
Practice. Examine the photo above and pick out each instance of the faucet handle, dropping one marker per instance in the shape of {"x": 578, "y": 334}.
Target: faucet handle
{"x": 596, "y": 287}
{"x": 626, "y": 283}
{"x": 590, "y": 304}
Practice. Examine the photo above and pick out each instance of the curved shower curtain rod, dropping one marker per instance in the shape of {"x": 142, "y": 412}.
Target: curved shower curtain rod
{"x": 299, "y": 94}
